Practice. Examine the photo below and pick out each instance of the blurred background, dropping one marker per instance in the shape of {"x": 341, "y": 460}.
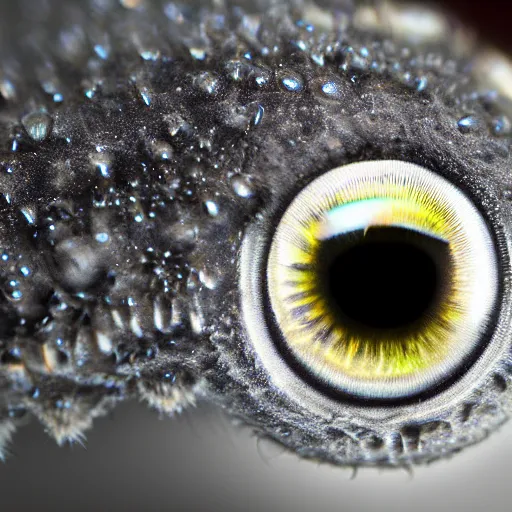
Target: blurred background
{"x": 200, "y": 462}
{"x": 491, "y": 18}
{"x": 136, "y": 461}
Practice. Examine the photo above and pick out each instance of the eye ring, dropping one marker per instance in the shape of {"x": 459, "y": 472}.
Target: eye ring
{"x": 303, "y": 389}
{"x": 353, "y": 202}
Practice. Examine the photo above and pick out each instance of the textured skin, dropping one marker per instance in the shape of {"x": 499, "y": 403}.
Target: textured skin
{"x": 138, "y": 145}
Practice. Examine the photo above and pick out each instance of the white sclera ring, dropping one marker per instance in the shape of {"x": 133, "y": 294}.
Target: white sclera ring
{"x": 384, "y": 193}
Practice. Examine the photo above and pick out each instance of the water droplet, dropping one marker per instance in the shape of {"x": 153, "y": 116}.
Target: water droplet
{"x": 17, "y": 412}
{"x": 212, "y": 208}
{"x": 30, "y": 214}
{"x": 291, "y": 82}
{"x": 198, "y": 53}
{"x": 169, "y": 376}
{"x": 162, "y": 314}
{"x": 258, "y": 117}
{"x": 330, "y": 88}
{"x": 7, "y": 89}
{"x": 243, "y": 186}
{"x": 208, "y": 279}
{"x": 102, "y": 162}
{"x": 12, "y": 289}
{"x": 243, "y": 116}
{"x": 161, "y": 150}
{"x": 356, "y": 59}
{"x": 25, "y": 271}
{"x": 501, "y": 126}
{"x": 38, "y": 125}
{"x": 261, "y": 78}
{"x": 175, "y": 124}
{"x": 146, "y": 95}
{"x": 468, "y": 124}
{"x": 152, "y": 55}
{"x": 421, "y": 83}
{"x": 101, "y": 51}
{"x": 79, "y": 265}
{"x": 207, "y": 83}
{"x": 102, "y": 238}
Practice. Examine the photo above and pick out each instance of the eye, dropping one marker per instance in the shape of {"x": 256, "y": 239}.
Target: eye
{"x": 382, "y": 280}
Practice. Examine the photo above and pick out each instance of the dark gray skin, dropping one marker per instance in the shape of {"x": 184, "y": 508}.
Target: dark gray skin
{"x": 140, "y": 148}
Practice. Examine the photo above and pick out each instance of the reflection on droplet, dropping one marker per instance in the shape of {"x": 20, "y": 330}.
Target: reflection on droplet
{"x": 161, "y": 150}
{"x": 207, "y": 83}
{"x": 331, "y": 88}
{"x": 259, "y": 115}
{"x": 146, "y": 95}
{"x": 101, "y": 237}
{"x": 101, "y": 51}
{"x": 102, "y": 162}
{"x": 38, "y": 125}
{"x": 358, "y": 60}
{"x": 292, "y": 82}
{"x": 212, "y": 208}
{"x": 198, "y": 53}
{"x": 468, "y": 124}
{"x": 242, "y": 186}
{"x": 7, "y": 89}
{"x": 501, "y": 126}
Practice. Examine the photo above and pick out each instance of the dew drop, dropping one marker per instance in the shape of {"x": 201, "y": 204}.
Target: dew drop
{"x": 198, "y": 53}
{"x": 468, "y": 124}
{"x": 212, "y": 208}
{"x": 101, "y": 51}
{"x": 332, "y": 89}
{"x": 501, "y": 126}
{"x": 292, "y": 83}
{"x": 152, "y": 55}
{"x": 12, "y": 289}
{"x": 161, "y": 150}
{"x": 329, "y": 88}
{"x": 258, "y": 117}
{"x": 25, "y": 271}
{"x": 38, "y": 125}
{"x": 421, "y": 83}
{"x": 207, "y": 83}
{"x": 102, "y": 163}
{"x": 208, "y": 279}
{"x": 236, "y": 69}
{"x": 146, "y": 95}
{"x": 102, "y": 238}
{"x": 78, "y": 264}
{"x": 261, "y": 77}
{"x": 243, "y": 186}
{"x": 7, "y": 90}
{"x": 358, "y": 60}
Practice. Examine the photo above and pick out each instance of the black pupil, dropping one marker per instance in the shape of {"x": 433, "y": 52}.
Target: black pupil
{"x": 387, "y": 279}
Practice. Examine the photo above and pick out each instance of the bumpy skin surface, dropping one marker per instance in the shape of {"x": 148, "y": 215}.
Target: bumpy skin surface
{"x": 140, "y": 141}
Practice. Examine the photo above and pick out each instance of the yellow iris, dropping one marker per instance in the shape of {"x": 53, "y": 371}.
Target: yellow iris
{"x": 354, "y": 201}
